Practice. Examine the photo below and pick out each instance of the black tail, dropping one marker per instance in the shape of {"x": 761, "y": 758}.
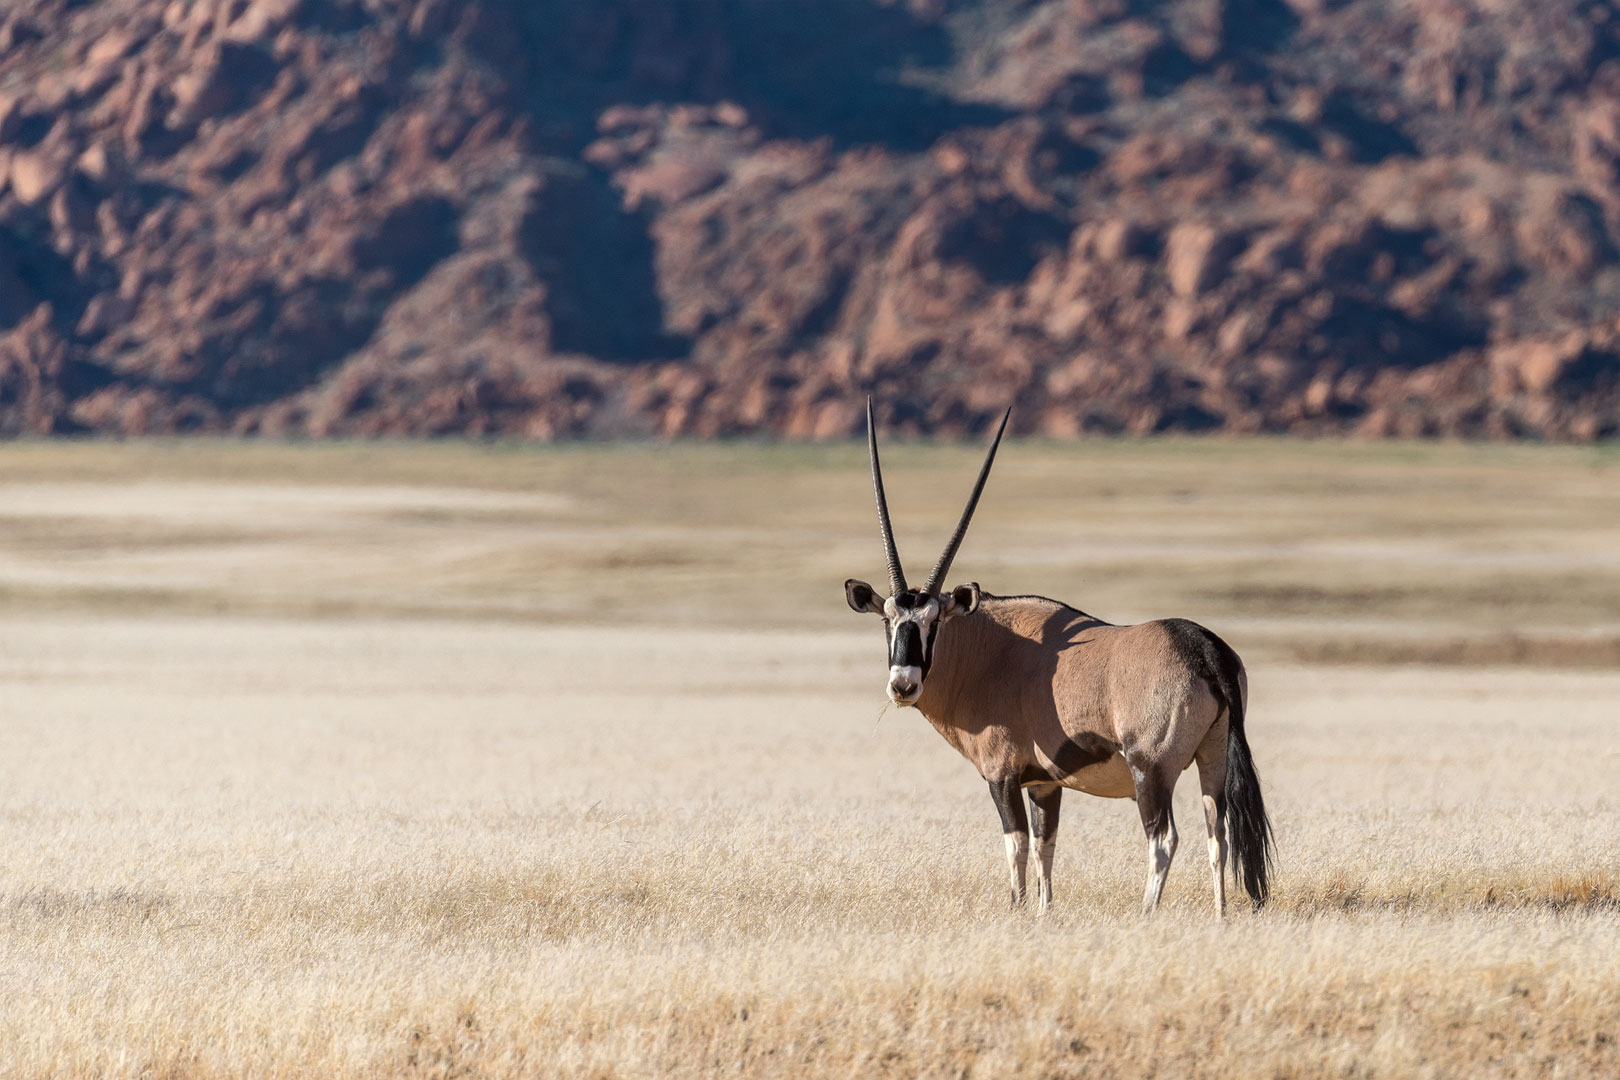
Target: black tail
{"x": 1248, "y": 828}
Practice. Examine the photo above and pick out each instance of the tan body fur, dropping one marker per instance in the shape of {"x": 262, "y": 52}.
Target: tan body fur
{"x": 1038, "y": 694}
{"x": 1021, "y": 677}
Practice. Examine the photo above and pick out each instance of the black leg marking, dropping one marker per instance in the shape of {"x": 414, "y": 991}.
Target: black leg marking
{"x": 1043, "y": 818}
{"x": 1010, "y": 805}
{"x": 1153, "y": 803}
{"x": 1014, "y": 832}
{"x": 1043, "y": 812}
{"x": 1153, "y": 795}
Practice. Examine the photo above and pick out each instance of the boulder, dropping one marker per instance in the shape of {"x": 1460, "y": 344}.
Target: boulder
{"x": 1537, "y": 366}
{"x": 36, "y": 174}
{"x": 1196, "y": 254}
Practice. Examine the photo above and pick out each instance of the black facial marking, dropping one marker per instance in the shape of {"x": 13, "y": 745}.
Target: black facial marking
{"x": 905, "y": 649}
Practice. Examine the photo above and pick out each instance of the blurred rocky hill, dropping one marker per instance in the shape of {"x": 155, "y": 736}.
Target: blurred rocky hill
{"x": 699, "y": 217}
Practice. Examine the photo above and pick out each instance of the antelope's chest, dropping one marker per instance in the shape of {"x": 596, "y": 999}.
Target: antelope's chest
{"x": 989, "y": 747}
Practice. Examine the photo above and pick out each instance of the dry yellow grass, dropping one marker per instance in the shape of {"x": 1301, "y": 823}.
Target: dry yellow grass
{"x": 300, "y": 779}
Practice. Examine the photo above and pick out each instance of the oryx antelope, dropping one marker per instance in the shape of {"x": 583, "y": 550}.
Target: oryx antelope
{"x": 1040, "y": 696}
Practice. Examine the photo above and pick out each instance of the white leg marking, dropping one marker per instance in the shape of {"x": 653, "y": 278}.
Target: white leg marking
{"x": 1161, "y": 849}
{"x": 1217, "y": 854}
{"x": 1043, "y": 872}
{"x": 1017, "y": 857}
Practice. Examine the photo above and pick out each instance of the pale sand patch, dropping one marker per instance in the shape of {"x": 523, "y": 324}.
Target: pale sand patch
{"x": 1316, "y": 551}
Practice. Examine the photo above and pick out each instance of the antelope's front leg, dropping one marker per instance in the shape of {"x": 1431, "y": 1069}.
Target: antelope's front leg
{"x": 1014, "y": 832}
{"x": 1043, "y": 819}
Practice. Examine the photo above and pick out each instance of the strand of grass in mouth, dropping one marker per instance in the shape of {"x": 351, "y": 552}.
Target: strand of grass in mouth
{"x": 885, "y": 707}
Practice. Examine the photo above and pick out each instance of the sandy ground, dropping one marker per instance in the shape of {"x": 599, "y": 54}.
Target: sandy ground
{"x": 272, "y": 847}
{"x": 475, "y": 761}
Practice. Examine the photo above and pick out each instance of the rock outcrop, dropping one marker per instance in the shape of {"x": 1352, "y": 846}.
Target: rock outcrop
{"x": 721, "y": 217}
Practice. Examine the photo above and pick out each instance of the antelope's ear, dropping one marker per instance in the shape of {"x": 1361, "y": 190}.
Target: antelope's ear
{"x": 963, "y": 600}
{"x": 862, "y": 598}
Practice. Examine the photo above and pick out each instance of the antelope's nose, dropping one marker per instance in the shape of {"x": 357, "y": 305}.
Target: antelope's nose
{"x": 905, "y": 683}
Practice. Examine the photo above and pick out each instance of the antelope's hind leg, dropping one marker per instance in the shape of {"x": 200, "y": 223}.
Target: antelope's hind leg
{"x": 1153, "y": 792}
{"x": 1211, "y": 760}
{"x": 1044, "y": 803}
{"x": 1009, "y": 799}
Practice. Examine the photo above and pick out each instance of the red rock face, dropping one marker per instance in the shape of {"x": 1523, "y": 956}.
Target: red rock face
{"x": 548, "y": 218}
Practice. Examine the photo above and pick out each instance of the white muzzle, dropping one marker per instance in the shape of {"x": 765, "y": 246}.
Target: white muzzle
{"x": 905, "y": 684}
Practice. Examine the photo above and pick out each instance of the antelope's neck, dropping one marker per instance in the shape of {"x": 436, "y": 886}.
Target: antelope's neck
{"x": 965, "y": 656}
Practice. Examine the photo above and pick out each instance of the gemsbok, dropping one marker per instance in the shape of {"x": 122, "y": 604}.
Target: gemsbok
{"x": 1040, "y": 696}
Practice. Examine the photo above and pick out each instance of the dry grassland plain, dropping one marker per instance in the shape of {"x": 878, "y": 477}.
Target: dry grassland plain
{"x": 482, "y": 761}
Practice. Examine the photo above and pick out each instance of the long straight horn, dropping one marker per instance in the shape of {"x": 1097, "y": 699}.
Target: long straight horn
{"x": 897, "y": 578}
{"x": 943, "y": 566}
